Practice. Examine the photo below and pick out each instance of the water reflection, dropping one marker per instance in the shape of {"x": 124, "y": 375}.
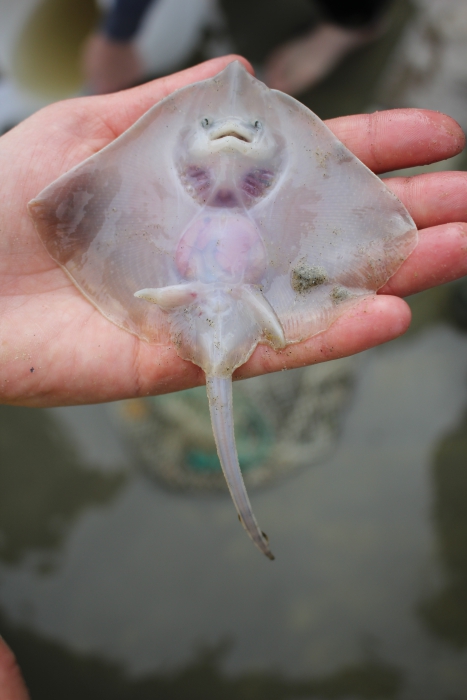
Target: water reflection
{"x": 283, "y": 422}
{"x": 144, "y": 574}
{"x": 76, "y": 676}
{"x": 43, "y": 487}
{"x": 445, "y": 613}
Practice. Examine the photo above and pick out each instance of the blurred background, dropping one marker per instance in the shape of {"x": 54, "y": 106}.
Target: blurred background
{"x": 124, "y": 574}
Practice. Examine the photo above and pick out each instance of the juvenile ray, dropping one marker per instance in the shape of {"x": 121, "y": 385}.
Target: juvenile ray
{"x": 228, "y": 215}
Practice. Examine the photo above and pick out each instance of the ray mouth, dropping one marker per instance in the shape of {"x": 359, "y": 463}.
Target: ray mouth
{"x": 227, "y": 131}
{"x": 235, "y": 134}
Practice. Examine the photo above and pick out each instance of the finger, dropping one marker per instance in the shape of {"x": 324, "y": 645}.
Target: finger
{"x": 128, "y": 367}
{"x": 123, "y": 108}
{"x": 399, "y": 138}
{"x": 372, "y": 321}
{"x": 434, "y": 198}
{"x": 11, "y": 683}
{"x": 440, "y": 257}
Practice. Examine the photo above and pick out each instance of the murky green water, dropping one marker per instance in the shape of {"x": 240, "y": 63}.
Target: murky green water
{"x": 112, "y": 587}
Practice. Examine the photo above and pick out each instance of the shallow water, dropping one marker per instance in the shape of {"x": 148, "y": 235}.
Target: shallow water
{"x": 105, "y": 573}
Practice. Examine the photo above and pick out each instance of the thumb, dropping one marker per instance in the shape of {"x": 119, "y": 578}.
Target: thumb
{"x": 12, "y": 686}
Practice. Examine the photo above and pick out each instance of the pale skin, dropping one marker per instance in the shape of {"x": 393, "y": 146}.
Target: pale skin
{"x": 78, "y": 356}
{"x": 302, "y": 62}
{"x": 110, "y": 65}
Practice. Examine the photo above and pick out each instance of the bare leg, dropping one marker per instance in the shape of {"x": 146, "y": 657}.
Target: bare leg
{"x": 301, "y": 63}
{"x": 110, "y": 65}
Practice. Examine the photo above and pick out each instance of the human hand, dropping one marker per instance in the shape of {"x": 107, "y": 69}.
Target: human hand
{"x": 110, "y": 65}
{"x": 11, "y": 682}
{"x": 57, "y": 349}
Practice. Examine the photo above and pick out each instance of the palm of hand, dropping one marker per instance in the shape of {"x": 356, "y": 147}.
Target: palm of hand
{"x": 56, "y": 348}
{"x": 54, "y": 343}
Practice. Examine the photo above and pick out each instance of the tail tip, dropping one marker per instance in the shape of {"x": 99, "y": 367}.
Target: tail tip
{"x": 267, "y": 552}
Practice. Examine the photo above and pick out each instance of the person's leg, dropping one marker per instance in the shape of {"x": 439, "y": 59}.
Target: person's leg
{"x": 304, "y": 61}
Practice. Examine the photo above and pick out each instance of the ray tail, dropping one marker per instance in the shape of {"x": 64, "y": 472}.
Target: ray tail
{"x": 219, "y": 390}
